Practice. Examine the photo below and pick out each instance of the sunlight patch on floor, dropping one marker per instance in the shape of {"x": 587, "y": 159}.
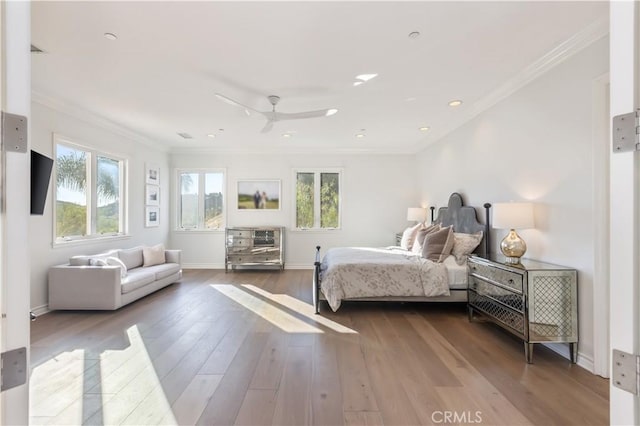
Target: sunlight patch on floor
{"x": 121, "y": 387}
{"x": 300, "y": 307}
{"x": 266, "y": 310}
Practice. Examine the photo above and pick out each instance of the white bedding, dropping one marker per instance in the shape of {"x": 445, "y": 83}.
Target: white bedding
{"x": 353, "y": 272}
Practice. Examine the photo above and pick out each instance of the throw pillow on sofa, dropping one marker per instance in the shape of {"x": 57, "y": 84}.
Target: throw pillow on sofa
{"x": 153, "y": 255}
{"x": 114, "y": 261}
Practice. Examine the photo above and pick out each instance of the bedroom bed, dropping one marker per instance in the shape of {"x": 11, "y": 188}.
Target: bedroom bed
{"x": 396, "y": 274}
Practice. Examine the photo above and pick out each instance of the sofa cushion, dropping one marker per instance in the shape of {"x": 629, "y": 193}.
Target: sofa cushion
{"x": 132, "y": 258}
{"x": 153, "y": 255}
{"x": 163, "y": 271}
{"x": 84, "y": 260}
{"x": 137, "y": 278}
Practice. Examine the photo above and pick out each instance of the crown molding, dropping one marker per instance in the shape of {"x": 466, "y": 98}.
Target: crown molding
{"x": 292, "y": 151}
{"x": 565, "y": 50}
{"x": 94, "y": 119}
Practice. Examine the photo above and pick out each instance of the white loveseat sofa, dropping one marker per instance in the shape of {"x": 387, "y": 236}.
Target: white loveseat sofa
{"x": 107, "y": 281}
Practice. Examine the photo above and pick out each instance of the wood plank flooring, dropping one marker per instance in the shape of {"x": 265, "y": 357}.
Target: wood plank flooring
{"x": 245, "y": 348}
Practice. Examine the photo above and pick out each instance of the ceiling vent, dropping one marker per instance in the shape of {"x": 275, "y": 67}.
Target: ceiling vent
{"x": 185, "y": 135}
{"x": 35, "y": 49}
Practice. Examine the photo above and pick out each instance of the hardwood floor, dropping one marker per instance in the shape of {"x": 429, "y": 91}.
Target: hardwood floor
{"x": 245, "y": 348}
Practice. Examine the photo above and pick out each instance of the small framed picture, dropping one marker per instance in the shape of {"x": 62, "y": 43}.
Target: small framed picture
{"x": 152, "y": 217}
{"x": 152, "y": 195}
{"x": 152, "y": 174}
{"x": 258, "y": 195}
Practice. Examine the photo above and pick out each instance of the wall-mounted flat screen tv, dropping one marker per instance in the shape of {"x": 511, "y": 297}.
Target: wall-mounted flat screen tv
{"x": 41, "y": 166}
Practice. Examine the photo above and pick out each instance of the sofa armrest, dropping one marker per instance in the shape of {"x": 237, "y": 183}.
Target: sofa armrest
{"x": 84, "y": 287}
{"x": 173, "y": 256}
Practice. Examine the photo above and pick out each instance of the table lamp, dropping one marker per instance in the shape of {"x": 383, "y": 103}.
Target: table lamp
{"x": 513, "y": 216}
{"x": 417, "y": 214}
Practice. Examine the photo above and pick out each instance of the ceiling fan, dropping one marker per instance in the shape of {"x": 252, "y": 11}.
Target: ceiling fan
{"x": 273, "y": 115}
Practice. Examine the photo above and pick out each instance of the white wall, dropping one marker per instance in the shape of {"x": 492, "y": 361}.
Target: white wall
{"x": 376, "y": 191}
{"x": 45, "y": 122}
{"x": 535, "y": 145}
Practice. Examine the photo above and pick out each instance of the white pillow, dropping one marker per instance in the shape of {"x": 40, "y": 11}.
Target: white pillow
{"x": 409, "y": 236}
{"x": 97, "y": 262}
{"x": 153, "y": 255}
{"x": 464, "y": 245}
{"x": 114, "y": 261}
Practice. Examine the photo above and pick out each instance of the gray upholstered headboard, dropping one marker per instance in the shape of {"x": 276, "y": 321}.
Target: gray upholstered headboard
{"x": 464, "y": 219}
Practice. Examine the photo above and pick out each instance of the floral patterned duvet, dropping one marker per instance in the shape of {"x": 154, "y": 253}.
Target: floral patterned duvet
{"x": 353, "y": 272}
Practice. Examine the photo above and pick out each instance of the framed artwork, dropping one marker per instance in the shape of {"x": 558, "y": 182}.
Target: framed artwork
{"x": 258, "y": 195}
{"x": 152, "y": 195}
{"x": 152, "y": 217}
{"x": 152, "y": 174}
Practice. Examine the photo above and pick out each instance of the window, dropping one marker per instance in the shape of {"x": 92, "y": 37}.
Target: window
{"x": 317, "y": 199}
{"x": 201, "y": 199}
{"x": 89, "y": 196}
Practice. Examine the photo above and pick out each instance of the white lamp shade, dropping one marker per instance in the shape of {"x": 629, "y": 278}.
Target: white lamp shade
{"x": 512, "y": 215}
{"x": 417, "y": 213}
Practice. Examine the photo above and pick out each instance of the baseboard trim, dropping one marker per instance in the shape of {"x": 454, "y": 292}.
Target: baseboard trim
{"x": 41, "y": 310}
{"x": 203, "y": 266}
{"x": 563, "y": 350}
{"x": 221, "y": 266}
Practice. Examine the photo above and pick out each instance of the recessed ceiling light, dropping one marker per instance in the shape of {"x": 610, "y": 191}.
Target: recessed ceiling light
{"x": 331, "y": 112}
{"x": 414, "y": 35}
{"x": 211, "y": 135}
{"x": 366, "y": 77}
{"x": 455, "y": 103}
{"x": 360, "y": 135}
{"x": 425, "y": 129}
{"x": 286, "y": 135}
{"x": 411, "y": 99}
{"x": 110, "y": 36}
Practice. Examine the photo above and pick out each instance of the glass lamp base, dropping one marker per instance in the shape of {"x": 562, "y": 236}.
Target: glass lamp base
{"x": 513, "y": 247}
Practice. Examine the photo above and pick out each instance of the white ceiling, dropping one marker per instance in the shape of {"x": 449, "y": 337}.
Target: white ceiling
{"x": 159, "y": 77}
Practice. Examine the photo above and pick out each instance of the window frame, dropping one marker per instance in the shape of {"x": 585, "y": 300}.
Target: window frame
{"x": 201, "y": 194}
{"x": 92, "y": 195}
{"x": 316, "y": 198}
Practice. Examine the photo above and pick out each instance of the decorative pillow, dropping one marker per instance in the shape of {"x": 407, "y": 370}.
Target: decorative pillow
{"x": 464, "y": 245}
{"x": 97, "y": 262}
{"x": 409, "y": 236}
{"x": 422, "y": 233}
{"x": 438, "y": 244}
{"x": 153, "y": 255}
{"x": 132, "y": 257}
{"x": 114, "y": 261}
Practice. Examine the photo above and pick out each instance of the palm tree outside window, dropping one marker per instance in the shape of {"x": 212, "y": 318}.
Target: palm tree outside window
{"x": 89, "y": 199}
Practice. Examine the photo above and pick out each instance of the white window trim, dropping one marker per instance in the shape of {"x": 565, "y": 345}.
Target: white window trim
{"x": 201, "y": 182}
{"x": 316, "y": 199}
{"x": 91, "y": 212}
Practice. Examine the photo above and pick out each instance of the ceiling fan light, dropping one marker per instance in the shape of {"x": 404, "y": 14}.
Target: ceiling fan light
{"x": 331, "y": 112}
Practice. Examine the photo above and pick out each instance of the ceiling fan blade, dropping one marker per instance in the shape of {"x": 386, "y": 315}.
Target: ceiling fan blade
{"x": 230, "y": 101}
{"x": 306, "y": 114}
{"x": 267, "y": 127}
